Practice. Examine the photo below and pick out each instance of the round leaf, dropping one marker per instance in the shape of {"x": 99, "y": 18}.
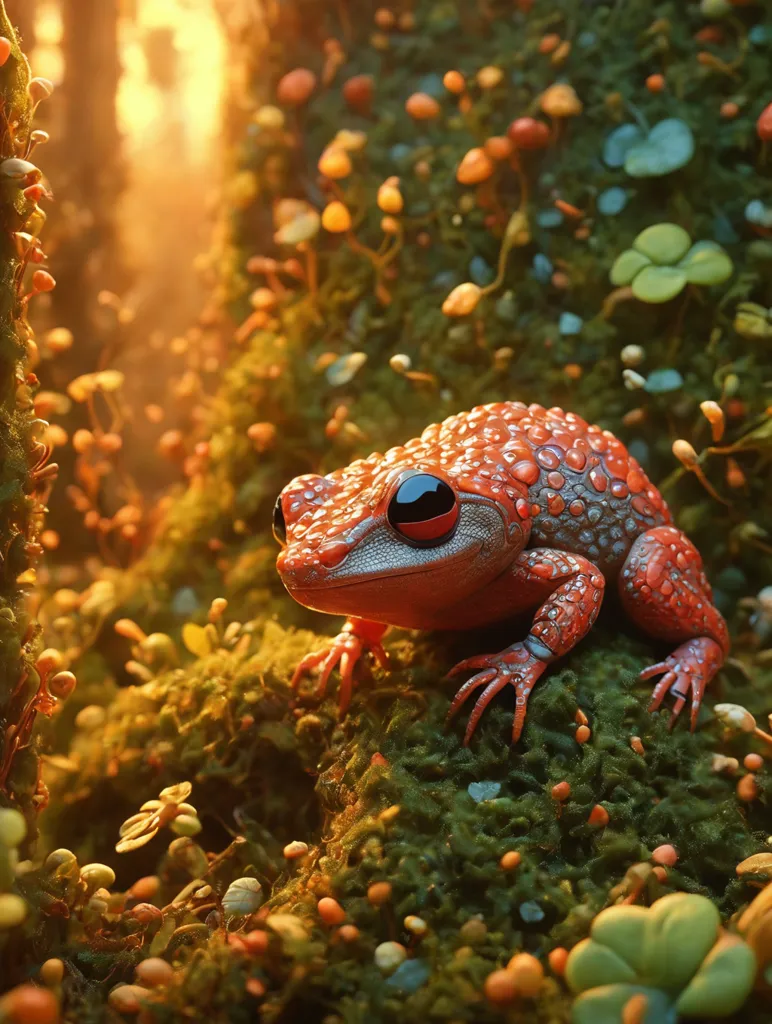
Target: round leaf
{"x": 606, "y": 1005}
{"x": 612, "y": 201}
{"x": 626, "y": 266}
{"x": 623, "y": 930}
{"x": 722, "y": 984}
{"x": 669, "y": 145}
{"x": 663, "y": 243}
{"x": 619, "y": 143}
{"x": 680, "y": 932}
{"x": 590, "y": 964}
{"x": 658, "y": 284}
{"x": 659, "y": 382}
{"x": 706, "y": 263}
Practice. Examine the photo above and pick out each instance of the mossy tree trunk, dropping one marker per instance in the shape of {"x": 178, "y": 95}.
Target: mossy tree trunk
{"x": 21, "y": 500}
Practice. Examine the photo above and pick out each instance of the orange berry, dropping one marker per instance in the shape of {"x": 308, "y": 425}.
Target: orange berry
{"x": 475, "y": 167}
{"x": 666, "y": 855}
{"x": 335, "y": 163}
{"x": 583, "y": 734}
{"x": 660, "y": 873}
{"x": 753, "y": 762}
{"x": 557, "y": 960}
{"x": 256, "y": 941}
{"x": 747, "y": 790}
{"x": 561, "y": 791}
{"x": 598, "y": 816}
{"x": 358, "y": 92}
{"x": 454, "y": 82}
{"x": 153, "y": 972}
{"x": 637, "y": 745}
{"x": 510, "y": 860}
{"x": 348, "y": 932}
{"x": 498, "y": 147}
{"x": 655, "y": 83}
{"x": 729, "y": 109}
{"x": 500, "y": 988}
{"x": 549, "y": 42}
{"x": 336, "y": 218}
{"x": 295, "y": 88}
{"x": 330, "y": 911}
{"x": 28, "y": 1004}
{"x": 422, "y": 107}
{"x": 42, "y": 281}
{"x": 379, "y": 893}
{"x": 528, "y": 974}
{"x": 384, "y": 18}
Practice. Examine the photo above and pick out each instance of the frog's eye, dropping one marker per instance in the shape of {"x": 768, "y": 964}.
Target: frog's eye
{"x": 424, "y": 509}
{"x": 279, "y": 525}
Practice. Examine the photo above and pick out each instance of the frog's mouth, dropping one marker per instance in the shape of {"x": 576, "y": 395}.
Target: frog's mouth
{"x": 426, "y": 567}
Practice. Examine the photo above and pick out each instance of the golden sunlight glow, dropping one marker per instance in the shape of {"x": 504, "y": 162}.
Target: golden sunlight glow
{"x": 47, "y": 58}
{"x": 173, "y": 58}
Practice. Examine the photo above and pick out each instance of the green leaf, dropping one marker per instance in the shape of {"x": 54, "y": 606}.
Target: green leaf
{"x": 658, "y": 284}
{"x": 619, "y": 143}
{"x": 668, "y": 146}
{"x": 622, "y": 929}
{"x": 680, "y": 932}
{"x": 591, "y": 964}
{"x": 626, "y": 266}
{"x": 706, "y": 263}
{"x": 663, "y": 243}
{"x": 606, "y": 1005}
{"x": 723, "y": 983}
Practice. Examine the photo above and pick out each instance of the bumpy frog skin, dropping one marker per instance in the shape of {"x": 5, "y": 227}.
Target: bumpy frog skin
{"x": 487, "y": 515}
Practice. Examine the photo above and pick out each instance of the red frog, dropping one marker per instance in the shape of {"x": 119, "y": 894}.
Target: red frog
{"x": 492, "y": 513}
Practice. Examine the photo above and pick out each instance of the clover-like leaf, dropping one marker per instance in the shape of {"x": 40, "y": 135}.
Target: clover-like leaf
{"x": 723, "y": 982}
{"x": 606, "y": 1005}
{"x": 623, "y": 930}
{"x": 592, "y": 964}
{"x": 680, "y": 932}
{"x": 706, "y": 263}
{"x": 667, "y": 147}
{"x": 658, "y": 284}
{"x": 626, "y": 266}
{"x": 619, "y": 143}
{"x": 663, "y": 243}
{"x": 753, "y": 321}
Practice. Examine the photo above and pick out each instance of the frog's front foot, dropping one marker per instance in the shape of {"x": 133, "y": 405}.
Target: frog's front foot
{"x": 688, "y": 670}
{"x": 516, "y": 666}
{"x": 357, "y": 637}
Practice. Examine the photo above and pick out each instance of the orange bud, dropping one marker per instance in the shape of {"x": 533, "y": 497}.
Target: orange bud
{"x": 714, "y": 415}
{"x": 462, "y": 300}
{"x": 336, "y": 218}
{"x": 454, "y": 82}
{"x": 599, "y": 816}
{"x": 422, "y": 107}
{"x": 685, "y": 454}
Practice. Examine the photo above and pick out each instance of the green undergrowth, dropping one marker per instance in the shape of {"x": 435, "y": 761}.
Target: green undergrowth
{"x": 275, "y": 769}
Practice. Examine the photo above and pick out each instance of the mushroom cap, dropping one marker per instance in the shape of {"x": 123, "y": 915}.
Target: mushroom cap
{"x": 560, "y": 100}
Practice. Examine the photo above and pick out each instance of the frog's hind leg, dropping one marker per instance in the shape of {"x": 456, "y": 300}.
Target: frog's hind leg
{"x": 665, "y": 591}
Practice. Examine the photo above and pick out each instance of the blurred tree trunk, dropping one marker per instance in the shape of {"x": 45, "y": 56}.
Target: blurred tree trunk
{"x": 22, "y": 16}
{"x": 85, "y": 151}
{"x": 88, "y": 159}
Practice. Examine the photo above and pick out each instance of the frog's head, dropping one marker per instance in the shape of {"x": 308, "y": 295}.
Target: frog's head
{"x": 394, "y": 539}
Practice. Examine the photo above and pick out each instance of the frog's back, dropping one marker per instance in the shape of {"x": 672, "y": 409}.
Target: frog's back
{"x": 589, "y": 495}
